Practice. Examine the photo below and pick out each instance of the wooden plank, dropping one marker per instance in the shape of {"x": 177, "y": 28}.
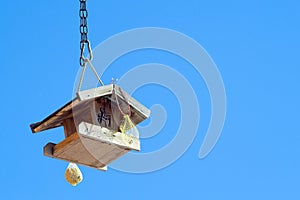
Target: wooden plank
{"x": 69, "y": 127}
{"x": 98, "y": 150}
{"x": 79, "y": 153}
{"x": 112, "y": 155}
{"x": 48, "y": 151}
{"x": 95, "y": 92}
{"x": 83, "y": 100}
{"x": 135, "y": 116}
{"x": 105, "y": 135}
{"x": 108, "y": 90}
{"x": 140, "y": 108}
{"x": 101, "y": 112}
{"x": 83, "y": 115}
{"x": 65, "y": 144}
{"x": 46, "y": 123}
{"x": 93, "y": 146}
{"x": 56, "y": 119}
{"x": 96, "y": 147}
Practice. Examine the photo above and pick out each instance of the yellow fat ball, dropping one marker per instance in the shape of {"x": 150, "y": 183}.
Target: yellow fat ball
{"x": 73, "y": 174}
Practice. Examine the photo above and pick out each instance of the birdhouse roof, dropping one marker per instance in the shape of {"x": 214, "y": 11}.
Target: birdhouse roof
{"x": 83, "y": 100}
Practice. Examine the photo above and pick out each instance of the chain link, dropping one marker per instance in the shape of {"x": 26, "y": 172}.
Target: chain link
{"x": 83, "y": 13}
{"x": 85, "y": 43}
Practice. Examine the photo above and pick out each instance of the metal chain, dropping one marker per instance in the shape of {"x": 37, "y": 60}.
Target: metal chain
{"x": 83, "y": 13}
{"x": 84, "y": 42}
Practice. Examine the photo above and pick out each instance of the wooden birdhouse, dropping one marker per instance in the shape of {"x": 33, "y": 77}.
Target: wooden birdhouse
{"x": 99, "y": 127}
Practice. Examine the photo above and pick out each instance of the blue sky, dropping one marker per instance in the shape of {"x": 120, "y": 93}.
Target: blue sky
{"x": 255, "y": 45}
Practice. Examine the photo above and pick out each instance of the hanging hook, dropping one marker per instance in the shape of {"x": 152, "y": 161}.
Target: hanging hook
{"x": 84, "y": 59}
{"x": 85, "y": 43}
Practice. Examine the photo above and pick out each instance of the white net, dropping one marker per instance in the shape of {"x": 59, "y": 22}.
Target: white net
{"x": 127, "y": 127}
{"x": 121, "y": 113}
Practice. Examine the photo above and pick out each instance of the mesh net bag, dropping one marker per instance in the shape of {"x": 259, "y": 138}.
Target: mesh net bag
{"x": 73, "y": 174}
{"x": 121, "y": 113}
{"x": 128, "y": 127}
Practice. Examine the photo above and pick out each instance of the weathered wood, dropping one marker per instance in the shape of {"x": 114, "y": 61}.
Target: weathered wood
{"x": 48, "y": 151}
{"x": 107, "y": 136}
{"x": 143, "y": 111}
{"x": 95, "y": 92}
{"x": 108, "y": 90}
{"x": 91, "y": 124}
{"x": 69, "y": 127}
{"x": 107, "y": 120}
{"x": 85, "y": 100}
{"x": 48, "y": 122}
{"x": 92, "y": 146}
{"x": 56, "y": 119}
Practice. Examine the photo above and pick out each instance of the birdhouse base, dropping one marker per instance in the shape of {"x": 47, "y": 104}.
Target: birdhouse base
{"x": 92, "y": 146}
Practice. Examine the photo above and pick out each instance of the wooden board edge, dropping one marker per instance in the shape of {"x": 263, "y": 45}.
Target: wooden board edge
{"x": 107, "y": 90}
{"x": 143, "y": 110}
{"x": 33, "y": 126}
{"x": 48, "y": 151}
{"x": 74, "y": 138}
{"x": 95, "y": 92}
{"x": 105, "y": 135}
{"x": 36, "y": 127}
